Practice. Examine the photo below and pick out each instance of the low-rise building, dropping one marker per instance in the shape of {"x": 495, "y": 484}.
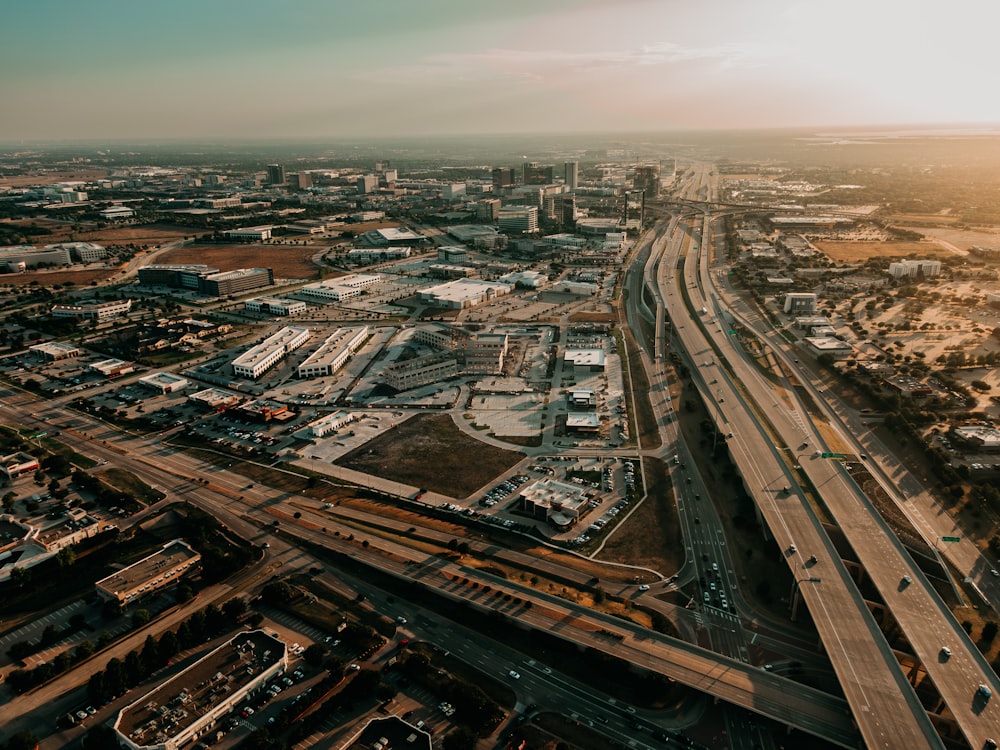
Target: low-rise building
{"x": 275, "y": 306}
{"x": 250, "y": 233}
{"x": 164, "y": 382}
{"x": 463, "y": 293}
{"x": 53, "y": 351}
{"x": 913, "y": 268}
{"x": 825, "y": 345}
{"x": 413, "y": 373}
{"x": 363, "y": 256}
{"x": 187, "y": 706}
{"x": 261, "y": 358}
{"x": 330, "y": 423}
{"x": 980, "y": 438}
{"x": 214, "y": 399}
{"x": 558, "y": 503}
{"x": 800, "y": 303}
{"x": 163, "y": 568}
{"x": 112, "y": 368}
{"x": 583, "y": 422}
{"x": 263, "y": 410}
{"x": 18, "y": 464}
{"x": 117, "y": 213}
{"x": 589, "y": 359}
{"x": 93, "y": 310}
{"x": 333, "y": 353}
{"x": 581, "y": 398}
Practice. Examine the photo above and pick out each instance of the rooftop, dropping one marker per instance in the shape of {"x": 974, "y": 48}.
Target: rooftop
{"x": 172, "y": 554}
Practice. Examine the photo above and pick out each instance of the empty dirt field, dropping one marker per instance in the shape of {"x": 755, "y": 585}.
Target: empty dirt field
{"x": 51, "y": 278}
{"x": 287, "y": 261}
{"x": 430, "y": 451}
{"x": 858, "y": 252}
{"x": 51, "y": 178}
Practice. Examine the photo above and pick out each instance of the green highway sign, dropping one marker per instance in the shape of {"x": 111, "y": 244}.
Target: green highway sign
{"x": 832, "y": 455}
{"x": 951, "y": 539}
{"x": 38, "y": 435}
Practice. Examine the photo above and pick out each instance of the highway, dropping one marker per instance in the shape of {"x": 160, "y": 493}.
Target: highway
{"x": 748, "y": 405}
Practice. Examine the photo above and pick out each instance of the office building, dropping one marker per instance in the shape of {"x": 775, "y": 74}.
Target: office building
{"x": 463, "y": 293}
{"x": 413, "y": 373}
{"x": 502, "y": 177}
{"x": 259, "y": 359}
{"x": 301, "y": 180}
{"x": 117, "y": 213}
{"x": 533, "y": 173}
{"x": 32, "y": 257}
{"x": 275, "y": 174}
{"x": 249, "y": 233}
{"x": 913, "y": 268}
{"x": 330, "y": 423}
{"x": 233, "y": 282}
{"x": 800, "y": 303}
{"x": 92, "y": 310}
{"x": 275, "y": 306}
{"x": 367, "y": 183}
{"x": 646, "y": 178}
{"x": 53, "y": 351}
{"x": 518, "y": 219}
{"x": 571, "y": 175}
{"x": 164, "y": 382}
{"x": 334, "y": 352}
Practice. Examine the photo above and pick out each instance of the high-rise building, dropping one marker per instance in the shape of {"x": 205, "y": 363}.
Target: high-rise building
{"x": 571, "y": 174}
{"x": 534, "y": 173}
{"x": 275, "y": 174}
{"x": 301, "y": 180}
{"x": 502, "y": 177}
{"x": 561, "y": 209}
{"x": 634, "y": 209}
{"x": 518, "y": 219}
{"x": 367, "y": 183}
{"x": 646, "y": 178}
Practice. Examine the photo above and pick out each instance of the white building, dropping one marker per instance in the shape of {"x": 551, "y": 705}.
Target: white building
{"x": 330, "y": 423}
{"x": 275, "y": 306}
{"x": 518, "y": 219}
{"x": 463, "y": 293}
{"x": 912, "y": 268}
{"x": 364, "y": 255}
{"x": 342, "y": 288}
{"x": 52, "y": 351}
{"x": 591, "y": 359}
{"x": 250, "y": 233}
{"x": 91, "y": 310}
{"x": 800, "y": 303}
{"x": 112, "y": 368}
{"x": 333, "y": 353}
{"x": 529, "y": 279}
{"x": 117, "y": 213}
{"x": 164, "y": 382}
{"x": 261, "y": 358}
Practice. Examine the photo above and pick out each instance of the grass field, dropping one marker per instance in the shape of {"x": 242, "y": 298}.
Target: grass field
{"x": 858, "y": 252}
{"x": 430, "y": 451}
{"x": 287, "y": 261}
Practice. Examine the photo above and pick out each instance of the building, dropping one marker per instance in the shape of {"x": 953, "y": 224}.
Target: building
{"x": 226, "y": 283}
{"x": 82, "y": 252}
{"x": 275, "y": 306}
{"x": 502, "y": 177}
{"x": 808, "y": 322}
{"x": 92, "y": 310}
{"x": 343, "y": 287}
{"x": 263, "y": 410}
{"x": 453, "y": 254}
{"x": 646, "y": 178}
{"x": 487, "y": 209}
{"x": 800, "y": 303}
{"x": 393, "y": 237}
{"x": 908, "y": 386}
{"x": 581, "y": 398}
{"x": 53, "y": 351}
{"x": 276, "y": 174}
{"x": 914, "y": 268}
{"x": 589, "y": 359}
{"x": 364, "y": 256}
{"x": 249, "y": 233}
{"x": 213, "y": 399}
{"x": 256, "y": 361}
{"x": 533, "y": 173}
{"x": 449, "y": 271}
{"x": 979, "y": 438}
{"x": 452, "y": 191}
{"x": 117, "y": 213}
{"x": 585, "y": 422}
{"x": 367, "y": 183}
{"x": 187, "y": 706}
{"x": 561, "y": 209}
{"x": 518, "y": 219}
{"x": 558, "y": 503}
{"x": 390, "y": 733}
{"x": 302, "y": 180}
{"x": 463, "y": 293}
{"x": 525, "y": 279}
{"x": 413, "y": 373}
{"x": 159, "y": 570}
{"x": 176, "y": 275}
{"x": 571, "y": 175}
{"x": 164, "y": 382}
{"x": 32, "y": 256}
{"x": 834, "y": 347}
{"x": 18, "y": 464}
{"x": 330, "y": 423}
{"x": 578, "y": 288}
{"x": 333, "y": 353}
{"x": 112, "y": 368}
{"x": 477, "y": 235}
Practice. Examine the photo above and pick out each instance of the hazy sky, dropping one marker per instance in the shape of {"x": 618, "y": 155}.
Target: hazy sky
{"x": 120, "y": 69}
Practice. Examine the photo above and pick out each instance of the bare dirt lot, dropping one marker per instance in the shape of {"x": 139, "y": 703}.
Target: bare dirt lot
{"x": 51, "y": 178}
{"x": 856, "y": 252}
{"x": 287, "y": 261}
{"x": 51, "y": 278}
{"x": 148, "y": 234}
{"x": 430, "y": 451}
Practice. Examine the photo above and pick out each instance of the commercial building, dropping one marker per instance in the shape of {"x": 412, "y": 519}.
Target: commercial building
{"x": 342, "y": 288}
{"x": 112, "y": 368}
{"x": 502, "y": 177}
{"x": 463, "y": 293}
{"x": 586, "y": 423}
{"x": 363, "y": 256}
{"x": 330, "y": 423}
{"x": 526, "y": 279}
{"x": 214, "y": 399}
{"x": 275, "y": 306}
{"x": 83, "y": 252}
{"x": 263, "y": 410}
{"x": 589, "y": 359}
{"x": 261, "y": 358}
{"x": 17, "y": 464}
{"x": 233, "y": 282}
{"x": 187, "y": 706}
{"x": 824, "y": 345}
{"x": 581, "y": 398}
{"x": 571, "y": 175}
{"x": 913, "y": 268}
{"x": 449, "y": 271}
{"x": 800, "y": 303}
{"x": 333, "y": 353}
{"x": 487, "y": 209}
{"x": 92, "y": 310}
{"x": 117, "y": 213}
{"x": 249, "y": 233}
{"x": 452, "y": 254}
{"x": 414, "y": 373}
{"x": 533, "y": 173}
{"x": 983, "y": 438}
{"x": 367, "y": 183}
{"x": 393, "y": 237}
{"x": 579, "y": 288}
{"x": 53, "y": 351}
{"x": 276, "y": 174}
{"x": 646, "y": 178}
{"x": 518, "y": 219}
{"x": 175, "y": 559}
{"x": 32, "y": 256}
{"x": 164, "y": 382}
{"x": 176, "y": 275}
{"x": 556, "y": 502}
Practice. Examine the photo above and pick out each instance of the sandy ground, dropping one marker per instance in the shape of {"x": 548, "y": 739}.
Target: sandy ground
{"x": 287, "y": 261}
{"x": 857, "y": 252}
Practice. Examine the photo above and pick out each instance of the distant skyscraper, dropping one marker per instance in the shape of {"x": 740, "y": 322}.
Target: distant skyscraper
{"x": 647, "y": 179}
{"x": 367, "y": 183}
{"x": 570, "y": 170}
{"x": 536, "y": 174}
{"x": 275, "y": 174}
{"x": 502, "y": 177}
{"x": 302, "y": 180}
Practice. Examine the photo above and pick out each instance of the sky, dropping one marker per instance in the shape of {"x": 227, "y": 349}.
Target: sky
{"x": 269, "y": 69}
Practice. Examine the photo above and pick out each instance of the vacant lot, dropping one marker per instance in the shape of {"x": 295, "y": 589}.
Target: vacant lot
{"x": 287, "y": 261}
{"x": 51, "y": 178}
{"x": 146, "y": 234}
{"x": 51, "y": 278}
{"x": 857, "y": 252}
{"x": 430, "y": 451}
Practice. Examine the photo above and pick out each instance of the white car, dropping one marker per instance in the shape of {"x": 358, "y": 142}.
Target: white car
{"x": 513, "y": 675}
{"x": 644, "y": 587}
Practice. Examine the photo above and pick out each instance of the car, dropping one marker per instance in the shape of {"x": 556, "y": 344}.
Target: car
{"x": 792, "y": 548}
{"x": 513, "y": 675}
{"x": 288, "y": 682}
{"x": 945, "y": 652}
{"x": 983, "y": 691}
{"x": 601, "y": 718}
{"x": 248, "y": 711}
{"x": 81, "y": 715}
{"x": 400, "y": 620}
{"x": 994, "y": 572}
{"x": 293, "y": 648}
{"x": 812, "y": 559}
{"x": 715, "y": 567}
{"x": 266, "y": 545}
{"x": 90, "y": 710}
{"x": 705, "y": 597}
{"x": 629, "y": 709}
{"x": 354, "y": 668}
{"x": 990, "y": 744}
{"x": 697, "y": 520}
{"x": 906, "y": 581}
{"x": 644, "y": 587}
{"x": 768, "y": 667}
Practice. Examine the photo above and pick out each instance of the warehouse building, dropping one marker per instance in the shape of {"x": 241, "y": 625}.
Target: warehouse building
{"x": 330, "y": 423}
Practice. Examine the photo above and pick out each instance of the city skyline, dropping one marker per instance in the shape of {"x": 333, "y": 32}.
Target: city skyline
{"x": 114, "y": 70}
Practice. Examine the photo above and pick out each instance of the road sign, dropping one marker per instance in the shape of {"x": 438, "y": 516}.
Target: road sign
{"x": 38, "y": 435}
{"x": 832, "y": 455}
{"x": 951, "y": 539}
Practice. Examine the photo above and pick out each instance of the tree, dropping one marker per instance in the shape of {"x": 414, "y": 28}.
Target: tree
{"x": 20, "y": 576}
{"x": 234, "y": 609}
{"x": 989, "y": 631}
{"x": 140, "y": 618}
{"x": 8, "y": 502}
{"x": 314, "y": 654}
{"x": 66, "y": 557}
{"x": 23, "y": 740}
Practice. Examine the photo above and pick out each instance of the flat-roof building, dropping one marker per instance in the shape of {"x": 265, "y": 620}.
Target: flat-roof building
{"x": 112, "y": 368}
{"x": 275, "y": 306}
{"x": 393, "y": 236}
{"x": 32, "y": 256}
{"x": 117, "y": 213}
{"x": 93, "y": 310}
{"x": 164, "y": 382}
{"x": 913, "y": 268}
{"x": 414, "y": 373}
{"x": 518, "y": 219}
{"x": 162, "y": 568}
{"x": 261, "y": 358}
{"x": 187, "y": 706}
{"x": 800, "y": 303}
{"x": 591, "y": 359}
{"x": 233, "y": 282}
{"x": 463, "y": 293}
{"x": 556, "y": 502}
{"x": 263, "y": 410}
{"x": 52, "y": 351}
{"x": 824, "y": 345}
{"x": 978, "y": 437}
{"x": 250, "y": 233}
{"x": 214, "y": 399}
{"x": 330, "y": 423}
{"x": 333, "y": 353}
{"x": 17, "y": 464}
{"x": 363, "y": 255}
